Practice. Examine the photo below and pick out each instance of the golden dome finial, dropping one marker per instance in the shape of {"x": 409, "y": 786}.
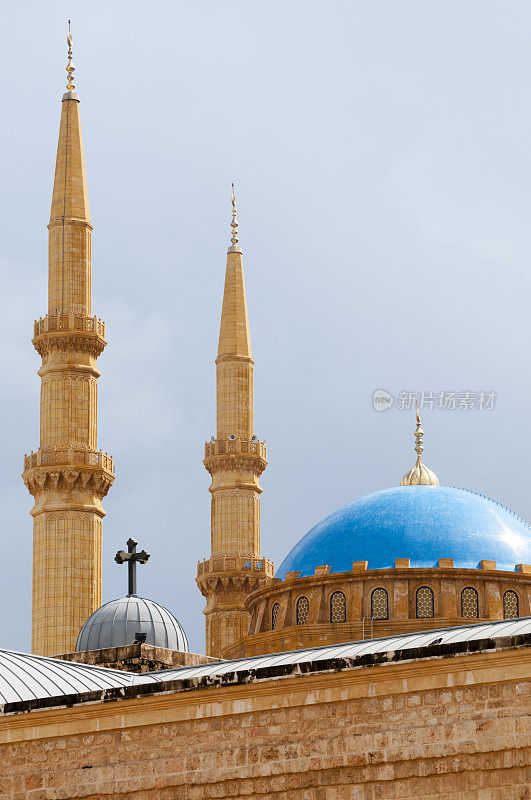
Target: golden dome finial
{"x": 234, "y": 223}
{"x": 70, "y": 69}
{"x": 419, "y": 475}
{"x": 419, "y": 433}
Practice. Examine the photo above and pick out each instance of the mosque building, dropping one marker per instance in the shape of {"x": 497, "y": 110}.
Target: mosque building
{"x": 384, "y": 658}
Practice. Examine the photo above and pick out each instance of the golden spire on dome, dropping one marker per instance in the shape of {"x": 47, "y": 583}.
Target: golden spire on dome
{"x": 70, "y": 69}
{"x": 419, "y": 475}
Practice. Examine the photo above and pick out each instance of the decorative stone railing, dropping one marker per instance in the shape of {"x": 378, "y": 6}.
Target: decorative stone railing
{"x": 71, "y": 456}
{"x": 228, "y": 562}
{"x": 68, "y": 322}
{"x": 236, "y": 447}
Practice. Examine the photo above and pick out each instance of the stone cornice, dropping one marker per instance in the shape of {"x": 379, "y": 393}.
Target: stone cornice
{"x": 60, "y": 221}
{"x": 236, "y": 583}
{"x": 226, "y": 462}
{"x": 94, "y": 479}
{"x": 223, "y": 358}
{"x": 337, "y": 680}
{"x": 63, "y": 341}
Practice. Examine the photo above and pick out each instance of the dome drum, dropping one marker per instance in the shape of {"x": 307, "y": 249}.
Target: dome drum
{"x": 399, "y": 600}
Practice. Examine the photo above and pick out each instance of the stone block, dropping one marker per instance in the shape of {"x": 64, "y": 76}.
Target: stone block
{"x": 137, "y": 658}
{"x": 292, "y": 576}
{"x": 402, "y": 563}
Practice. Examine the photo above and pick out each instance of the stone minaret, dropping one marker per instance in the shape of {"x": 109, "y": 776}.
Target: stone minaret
{"x": 235, "y": 459}
{"x": 68, "y": 476}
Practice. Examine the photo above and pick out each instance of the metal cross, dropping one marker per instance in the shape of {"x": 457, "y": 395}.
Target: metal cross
{"x": 131, "y": 557}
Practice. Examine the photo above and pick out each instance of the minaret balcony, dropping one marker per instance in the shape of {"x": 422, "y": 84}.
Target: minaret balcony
{"x": 233, "y": 573}
{"x": 66, "y": 472}
{"x": 69, "y": 457}
{"x": 70, "y": 331}
{"x": 69, "y": 322}
{"x": 246, "y": 453}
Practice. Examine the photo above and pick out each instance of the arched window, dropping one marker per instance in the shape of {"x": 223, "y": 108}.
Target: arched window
{"x": 338, "y": 607}
{"x": 303, "y": 608}
{"x": 274, "y": 615}
{"x": 424, "y": 603}
{"x": 379, "y": 604}
{"x": 469, "y": 603}
{"x": 510, "y": 605}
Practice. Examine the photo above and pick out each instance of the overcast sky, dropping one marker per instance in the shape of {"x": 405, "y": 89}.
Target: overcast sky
{"x": 381, "y": 156}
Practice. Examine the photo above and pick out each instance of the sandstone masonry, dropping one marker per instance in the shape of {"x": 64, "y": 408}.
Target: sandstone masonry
{"x": 452, "y": 724}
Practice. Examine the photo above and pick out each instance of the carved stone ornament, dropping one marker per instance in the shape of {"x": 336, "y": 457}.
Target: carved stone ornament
{"x": 62, "y": 342}
{"x": 98, "y": 481}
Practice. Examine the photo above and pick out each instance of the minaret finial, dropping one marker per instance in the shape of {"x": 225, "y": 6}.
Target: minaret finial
{"x": 419, "y": 475}
{"x": 70, "y": 67}
{"x": 234, "y": 223}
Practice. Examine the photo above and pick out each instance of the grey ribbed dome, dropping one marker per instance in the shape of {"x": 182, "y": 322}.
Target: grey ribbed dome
{"x": 115, "y": 624}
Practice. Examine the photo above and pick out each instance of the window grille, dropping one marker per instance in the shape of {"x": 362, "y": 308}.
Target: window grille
{"x": 469, "y": 603}
{"x": 274, "y": 615}
{"x": 424, "y": 603}
{"x": 338, "y": 607}
{"x": 510, "y": 605}
{"x": 303, "y": 609}
{"x": 379, "y": 604}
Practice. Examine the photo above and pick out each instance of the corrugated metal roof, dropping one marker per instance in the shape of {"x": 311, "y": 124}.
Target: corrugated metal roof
{"x": 28, "y": 677}
{"x": 25, "y": 677}
{"x": 465, "y": 633}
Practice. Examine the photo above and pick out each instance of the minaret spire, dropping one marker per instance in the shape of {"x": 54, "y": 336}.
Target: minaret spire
{"x": 68, "y": 476}
{"x": 70, "y": 66}
{"x": 235, "y": 459}
{"x": 234, "y": 223}
{"x": 234, "y": 364}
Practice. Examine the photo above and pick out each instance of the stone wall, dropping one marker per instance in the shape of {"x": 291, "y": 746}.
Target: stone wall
{"x": 455, "y": 728}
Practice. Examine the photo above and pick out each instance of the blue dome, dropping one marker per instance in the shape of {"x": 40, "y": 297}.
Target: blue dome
{"x": 422, "y": 523}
